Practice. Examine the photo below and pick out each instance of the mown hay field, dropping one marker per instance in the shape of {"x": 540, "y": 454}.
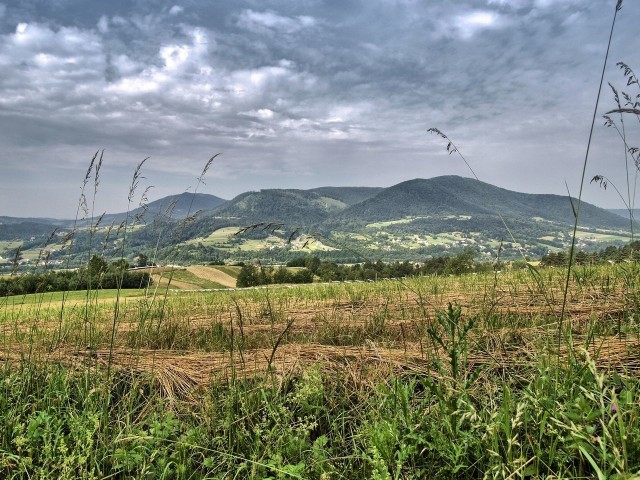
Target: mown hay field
{"x": 381, "y": 380}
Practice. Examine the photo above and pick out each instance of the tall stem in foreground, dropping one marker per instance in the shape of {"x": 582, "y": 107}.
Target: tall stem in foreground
{"x": 584, "y": 171}
{"x": 116, "y": 310}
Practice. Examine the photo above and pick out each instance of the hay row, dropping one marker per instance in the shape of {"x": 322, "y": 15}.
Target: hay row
{"x": 179, "y": 372}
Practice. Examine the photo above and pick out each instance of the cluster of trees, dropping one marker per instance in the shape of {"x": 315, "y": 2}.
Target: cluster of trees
{"x": 251, "y": 276}
{"x": 463, "y": 262}
{"x": 629, "y": 252}
{"x": 97, "y": 274}
{"x": 327, "y": 271}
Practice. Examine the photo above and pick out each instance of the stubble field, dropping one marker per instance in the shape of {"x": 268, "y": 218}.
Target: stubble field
{"x": 474, "y": 376}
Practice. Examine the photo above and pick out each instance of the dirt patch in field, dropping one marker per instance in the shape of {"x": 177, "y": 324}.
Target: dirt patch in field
{"x": 213, "y": 274}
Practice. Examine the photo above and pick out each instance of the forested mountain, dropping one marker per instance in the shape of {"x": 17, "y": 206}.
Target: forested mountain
{"x": 458, "y": 196}
{"x": 174, "y": 207}
{"x": 300, "y": 207}
{"x": 347, "y": 195}
{"x": 24, "y": 230}
{"x": 410, "y": 220}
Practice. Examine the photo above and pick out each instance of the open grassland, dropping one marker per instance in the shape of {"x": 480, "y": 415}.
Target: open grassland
{"x": 196, "y": 277}
{"x": 232, "y": 271}
{"x": 55, "y": 299}
{"x": 449, "y": 377}
{"x": 8, "y": 246}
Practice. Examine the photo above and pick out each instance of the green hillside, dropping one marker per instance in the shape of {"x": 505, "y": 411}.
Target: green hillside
{"x": 293, "y": 207}
{"x": 347, "y": 195}
{"x": 445, "y": 196}
{"x": 408, "y": 221}
{"x": 176, "y": 207}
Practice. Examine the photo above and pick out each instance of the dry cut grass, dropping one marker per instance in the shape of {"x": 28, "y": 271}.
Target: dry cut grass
{"x": 186, "y": 341}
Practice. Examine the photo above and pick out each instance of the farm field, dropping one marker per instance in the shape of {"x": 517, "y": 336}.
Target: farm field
{"x": 228, "y": 238}
{"x": 195, "y": 277}
{"x": 473, "y": 376}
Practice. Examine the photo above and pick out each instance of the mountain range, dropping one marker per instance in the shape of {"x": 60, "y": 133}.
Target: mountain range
{"x": 439, "y": 197}
{"x": 413, "y": 218}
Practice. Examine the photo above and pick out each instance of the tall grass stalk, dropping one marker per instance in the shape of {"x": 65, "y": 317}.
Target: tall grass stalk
{"x": 188, "y": 218}
{"x": 135, "y": 180}
{"x": 584, "y": 171}
{"x": 69, "y": 239}
{"x": 452, "y": 148}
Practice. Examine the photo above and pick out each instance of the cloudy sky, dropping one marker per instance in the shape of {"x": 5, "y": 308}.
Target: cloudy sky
{"x": 304, "y": 93}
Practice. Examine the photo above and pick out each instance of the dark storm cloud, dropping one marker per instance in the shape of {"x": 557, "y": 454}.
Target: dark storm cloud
{"x": 301, "y": 94}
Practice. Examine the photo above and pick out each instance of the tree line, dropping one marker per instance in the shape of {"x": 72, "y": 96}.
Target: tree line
{"x": 313, "y": 267}
{"x": 629, "y": 252}
{"x": 96, "y": 274}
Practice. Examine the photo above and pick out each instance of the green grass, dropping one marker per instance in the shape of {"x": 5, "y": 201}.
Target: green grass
{"x": 6, "y": 246}
{"x": 79, "y": 295}
{"x": 392, "y": 222}
{"x": 602, "y": 237}
{"x": 537, "y": 418}
{"x": 229, "y": 270}
{"x": 220, "y": 236}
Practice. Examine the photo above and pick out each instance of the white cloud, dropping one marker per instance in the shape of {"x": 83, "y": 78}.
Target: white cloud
{"x": 176, "y": 10}
{"x": 179, "y": 60}
{"x": 33, "y": 38}
{"x": 147, "y": 82}
{"x": 262, "y": 114}
{"x": 468, "y": 24}
{"x": 252, "y": 20}
{"x": 348, "y": 113}
{"x": 174, "y": 56}
{"x": 572, "y": 18}
{"x": 118, "y": 20}
{"x": 255, "y": 84}
{"x": 514, "y": 4}
{"x": 551, "y": 3}
{"x": 37, "y": 55}
{"x": 103, "y": 24}
{"x": 125, "y": 65}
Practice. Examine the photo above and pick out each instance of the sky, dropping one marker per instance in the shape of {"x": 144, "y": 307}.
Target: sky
{"x": 305, "y": 93}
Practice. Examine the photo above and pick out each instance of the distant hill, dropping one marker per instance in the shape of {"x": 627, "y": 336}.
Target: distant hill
{"x": 623, "y": 212}
{"x": 291, "y": 206}
{"x": 411, "y": 220}
{"x": 45, "y": 221}
{"x": 24, "y": 230}
{"x": 15, "y": 228}
{"x": 347, "y": 195}
{"x": 299, "y": 207}
{"x": 453, "y": 195}
{"x": 183, "y": 204}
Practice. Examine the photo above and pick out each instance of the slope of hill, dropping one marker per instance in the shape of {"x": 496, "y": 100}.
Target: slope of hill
{"x": 623, "y": 212}
{"x": 293, "y": 207}
{"x": 174, "y": 206}
{"x": 410, "y": 220}
{"x": 45, "y": 221}
{"x": 347, "y": 195}
{"x": 459, "y": 196}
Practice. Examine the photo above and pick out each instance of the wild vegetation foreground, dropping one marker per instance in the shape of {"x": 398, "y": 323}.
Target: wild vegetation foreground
{"x": 476, "y": 376}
